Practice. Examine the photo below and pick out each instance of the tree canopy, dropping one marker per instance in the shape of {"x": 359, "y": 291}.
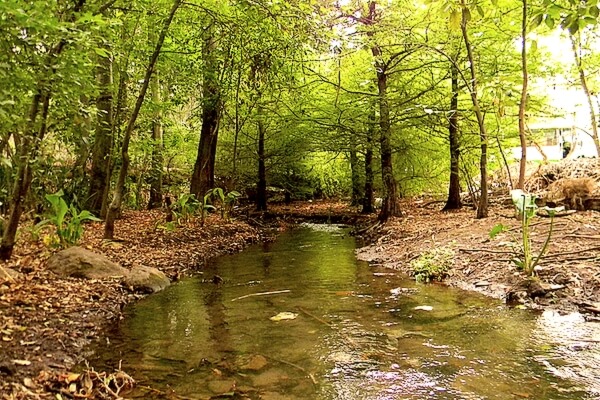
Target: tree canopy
{"x": 130, "y": 103}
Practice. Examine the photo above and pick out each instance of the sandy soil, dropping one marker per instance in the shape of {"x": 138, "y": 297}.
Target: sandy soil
{"x": 46, "y": 323}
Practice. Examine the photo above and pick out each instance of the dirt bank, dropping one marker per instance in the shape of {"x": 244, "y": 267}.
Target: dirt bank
{"x": 569, "y": 273}
{"x": 47, "y": 323}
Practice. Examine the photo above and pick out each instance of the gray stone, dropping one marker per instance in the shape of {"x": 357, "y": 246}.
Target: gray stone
{"x": 146, "y": 279}
{"x": 78, "y": 262}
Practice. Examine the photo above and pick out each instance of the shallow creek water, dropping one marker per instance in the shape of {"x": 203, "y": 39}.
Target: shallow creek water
{"x": 358, "y": 334}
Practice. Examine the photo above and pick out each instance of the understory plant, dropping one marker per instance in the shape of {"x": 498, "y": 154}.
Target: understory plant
{"x": 226, "y": 200}
{"x": 67, "y": 220}
{"x": 526, "y": 210}
{"x": 433, "y": 265}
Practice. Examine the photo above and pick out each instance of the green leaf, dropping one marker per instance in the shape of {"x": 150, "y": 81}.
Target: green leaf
{"x": 101, "y": 52}
{"x": 497, "y": 230}
{"x": 549, "y": 21}
{"x": 534, "y": 46}
{"x": 455, "y": 19}
{"x": 537, "y": 20}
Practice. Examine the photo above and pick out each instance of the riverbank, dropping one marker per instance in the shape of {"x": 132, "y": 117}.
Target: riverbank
{"x": 568, "y": 274}
{"x": 47, "y": 323}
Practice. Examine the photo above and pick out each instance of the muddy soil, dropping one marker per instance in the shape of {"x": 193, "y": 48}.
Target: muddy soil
{"x": 47, "y": 323}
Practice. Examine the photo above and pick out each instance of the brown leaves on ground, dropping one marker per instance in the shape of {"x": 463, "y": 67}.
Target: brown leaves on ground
{"x": 47, "y": 322}
{"x": 484, "y": 264}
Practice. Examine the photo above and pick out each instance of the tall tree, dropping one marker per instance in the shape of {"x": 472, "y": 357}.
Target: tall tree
{"x": 465, "y": 17}
{"x": 203, "y": 177}
{"x": 28, "y": 143}
{"x": 453, "y": 202}
{"x": 390, "y": 206}
{"x": 103, "y": 137}
{"x": 115, "y": 205}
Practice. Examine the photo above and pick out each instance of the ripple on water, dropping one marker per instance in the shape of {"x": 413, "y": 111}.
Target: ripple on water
{"x": 569, "y": 348}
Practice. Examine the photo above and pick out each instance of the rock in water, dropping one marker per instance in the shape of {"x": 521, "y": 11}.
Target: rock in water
{"x": 78, "y": 262}
{"x": 146, "y": 279}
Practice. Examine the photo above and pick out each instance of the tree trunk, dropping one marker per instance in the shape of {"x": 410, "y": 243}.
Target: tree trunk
{"x": 523, "y": 102}
{"x": 103, "y": 139}
{"x": 156, "y": 171}
{"x": 261, "y": 188}
{"x": 203, "y": 177}
{"x": 115, "y": 205}
{"x": 453, "y": 202}
{"x": 588, "y": 95}
{"x": 28, "y": 149}
{"x": 369, "y": 175}
{"x": 482, "y": 208}
{"x": 29, "y": 144}
{"x": 390, "y": 207}
{"x": 355, "y": 174}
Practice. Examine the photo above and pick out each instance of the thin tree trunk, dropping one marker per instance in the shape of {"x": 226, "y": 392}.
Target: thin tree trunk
{"x": 523, "y": 102}
{"x": 588, "y": 95}
{"x": 369, "y": 175}
{"x": 115, "y": 205}
{"x": 453, "y": 202}
{"x": 29, "y": 146}
{"x": 203, "y": 177}
{"x": 103, "y": 139}
{"x": 261, "y": 188}
{"x": 390, "y": 207}
{"x": 156, "y": 171}
{"x": 237, "y": 125}
{"x": 355, "y": 173}
{"x": 482, "y": 208}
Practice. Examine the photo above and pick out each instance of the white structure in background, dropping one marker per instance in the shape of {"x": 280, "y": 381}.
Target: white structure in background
{"x": 571, "y": 126}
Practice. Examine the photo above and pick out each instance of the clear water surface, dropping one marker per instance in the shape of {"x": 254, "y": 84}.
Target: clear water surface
{"x": 357, "y": 334}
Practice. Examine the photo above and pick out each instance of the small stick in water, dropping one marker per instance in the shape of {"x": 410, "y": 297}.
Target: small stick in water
{"x": 261, "y": 294}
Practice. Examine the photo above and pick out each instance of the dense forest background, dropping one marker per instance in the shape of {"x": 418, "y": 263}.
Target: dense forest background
{"x": 127, "y": 103}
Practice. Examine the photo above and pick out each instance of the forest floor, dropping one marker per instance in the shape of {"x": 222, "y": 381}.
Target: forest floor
{"x": 47, "y": 323}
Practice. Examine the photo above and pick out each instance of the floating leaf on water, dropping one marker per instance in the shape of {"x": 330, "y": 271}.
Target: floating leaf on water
{"x": 284, "y": 315}
{"x": 424, "y": 308}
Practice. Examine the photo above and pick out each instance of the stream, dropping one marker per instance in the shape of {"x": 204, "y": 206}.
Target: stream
{"x": 355, "y": 332}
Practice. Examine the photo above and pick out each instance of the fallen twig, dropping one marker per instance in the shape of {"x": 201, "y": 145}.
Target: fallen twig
{"x": 486, "y": 251}
{"x": 566, "y": 253}
{"x": 7, "y": 274}
{"x": 311, "y": 376}
{"x": 261, "y": 294}
{"x": 321, "y": 320}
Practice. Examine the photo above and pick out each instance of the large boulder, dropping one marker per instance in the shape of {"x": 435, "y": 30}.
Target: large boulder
{"x": 78, "y": 262}
{"x": 146, "y": 279}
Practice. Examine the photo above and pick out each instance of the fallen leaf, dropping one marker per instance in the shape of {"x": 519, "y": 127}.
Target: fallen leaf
{"x": 283, "y": 316}
{"x": 22, "y": 362}
{"x": 424, "y": 308}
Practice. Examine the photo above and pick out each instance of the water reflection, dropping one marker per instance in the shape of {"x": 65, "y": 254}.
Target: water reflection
{"x": 360, "y": 333}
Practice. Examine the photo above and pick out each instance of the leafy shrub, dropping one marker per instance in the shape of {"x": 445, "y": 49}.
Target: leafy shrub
{"x": 67, "y": 220}
{"x": 433, "y": 265}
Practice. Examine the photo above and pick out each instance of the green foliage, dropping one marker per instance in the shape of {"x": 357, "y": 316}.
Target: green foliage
{"x": 526, "y": 209}
{"x": 433, "y": 265}
{"x": 185, "y": 207}
{"x": 67, "y": 220}
{"x": 226, "y": 201}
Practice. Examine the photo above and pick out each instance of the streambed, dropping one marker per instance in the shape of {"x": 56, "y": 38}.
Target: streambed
{"x": 355, "y": 332}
